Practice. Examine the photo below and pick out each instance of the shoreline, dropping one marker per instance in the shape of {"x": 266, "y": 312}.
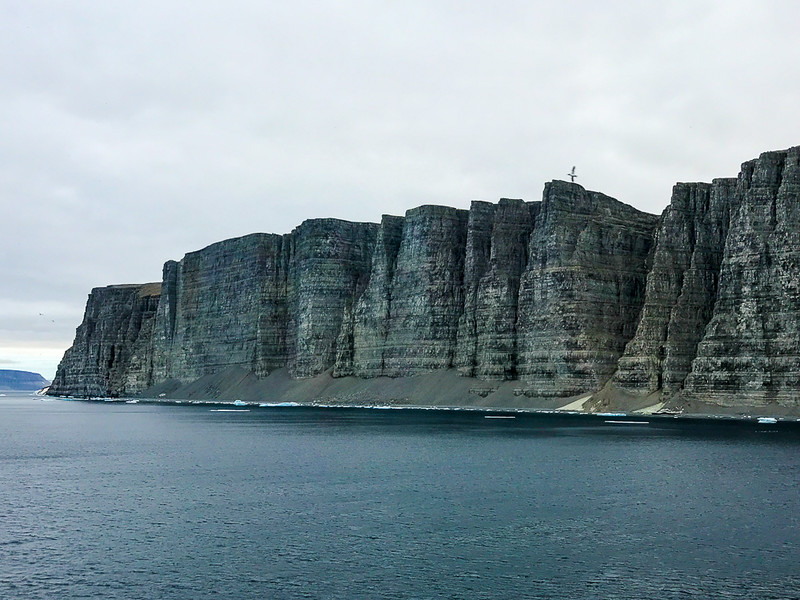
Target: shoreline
{"x": 608, "y": 417}
{"x": 444, "y": 390}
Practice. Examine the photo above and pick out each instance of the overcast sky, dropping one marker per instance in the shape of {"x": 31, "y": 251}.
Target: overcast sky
{"x": 134, "y": 132}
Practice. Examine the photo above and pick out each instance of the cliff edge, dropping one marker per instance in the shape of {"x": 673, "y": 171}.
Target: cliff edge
{"x": 576, "y": 296}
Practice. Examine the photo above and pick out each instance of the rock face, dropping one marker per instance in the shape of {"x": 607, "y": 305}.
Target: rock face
{"x": 329, "y": 263}
{"x": 569, "y": 295}
{"x": 496, "y": 257}
{"x": 750, "y": 346}
{"x": 681, "y": 288}
{"x": 426, "y": 292}
{"x": 721, "y": 319}
{"x": 363, "y": 340}
{"x": 112, "y": 351}
{"x": 222, "y": 306}
{"x": 261, "y": 302}
{"x": 582, "y": 291}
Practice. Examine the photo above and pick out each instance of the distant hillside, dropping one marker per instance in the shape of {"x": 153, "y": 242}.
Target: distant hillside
{"x": 21, "y": 380}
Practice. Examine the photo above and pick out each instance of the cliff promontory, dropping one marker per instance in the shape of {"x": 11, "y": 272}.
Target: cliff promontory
{"x": 574, "y": 297}
{"x": 13, "y": 380}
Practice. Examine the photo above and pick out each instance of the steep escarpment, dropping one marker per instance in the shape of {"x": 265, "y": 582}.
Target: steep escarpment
{"x": 362, "y": 341}
{"x": 721, "y": 319}
{"x": 496, "y": 256}
{"x": 329, "y": 262}
{"x": 565, "y": 297}
{"x": 223, "y": 306}
{"x": 750, "y": 347}
{"x": 261, "y": 302}
{"x": 439, "y": 288}
{"x": 582, "y": 291}
{"x": 426, "y": 292}
{"x": 681, "y": 288}
{"x": 112, "y": 351}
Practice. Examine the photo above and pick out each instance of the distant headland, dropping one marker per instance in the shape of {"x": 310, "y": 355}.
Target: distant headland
{"x": 11, "y": 380}
{"x": 577, "y": 301}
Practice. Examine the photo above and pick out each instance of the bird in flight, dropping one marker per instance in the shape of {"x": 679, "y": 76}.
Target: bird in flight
{"x": 572, "y": 175}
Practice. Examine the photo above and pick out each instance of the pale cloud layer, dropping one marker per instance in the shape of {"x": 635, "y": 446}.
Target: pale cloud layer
{"x": 135, "y": 132}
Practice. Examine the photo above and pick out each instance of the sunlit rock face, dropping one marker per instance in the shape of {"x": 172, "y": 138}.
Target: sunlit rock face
{"x": 568, "y": 295}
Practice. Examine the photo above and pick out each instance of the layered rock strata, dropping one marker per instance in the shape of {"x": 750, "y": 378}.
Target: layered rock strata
{"x": 225, "y": 305}
{"x": 750, "y": 346}
{"x": 113, "y": 348}
{"x": 582, "y": 291}
{"x": 681, "y": 288}
{"x": 328, "y": 268}
{"x": 426, "y": 292}
{"x": 569, "y": 295}
{"x": 721, "y": 318}
{"x": 496, "y": 257}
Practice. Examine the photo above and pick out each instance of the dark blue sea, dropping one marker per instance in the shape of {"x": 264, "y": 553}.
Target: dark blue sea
{"x": 102, "y": 500}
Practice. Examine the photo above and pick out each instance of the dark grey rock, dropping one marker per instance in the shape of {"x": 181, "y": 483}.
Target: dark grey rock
{"x": 497, "y": 254}
{"x": 681, "y": 288}
{"x": 426, "y": 292}
{"x": 572, "y": 295}
{"x": 329, "y": 262}
{"x": 748, "y": 353}
{"x": 363, "y": 343}
{"x": 111, "y": 353}
{"x": 582, "y": 290}
{"x": 224, "y": 305}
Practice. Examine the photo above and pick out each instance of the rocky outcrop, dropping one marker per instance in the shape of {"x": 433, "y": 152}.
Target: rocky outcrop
{"x": 681, "y": 288}
{"x": 582, "y": 290}
{"x": 111, "y": 354}
{"x": 567, "y": 296}
{"x": 749, "y": 351}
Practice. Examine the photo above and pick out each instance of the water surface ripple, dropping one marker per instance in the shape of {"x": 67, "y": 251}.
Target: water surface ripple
{"x": 102, "y": 500}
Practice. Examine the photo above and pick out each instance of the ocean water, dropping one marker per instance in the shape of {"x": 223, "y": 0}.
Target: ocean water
{"x": 101, "y": 500}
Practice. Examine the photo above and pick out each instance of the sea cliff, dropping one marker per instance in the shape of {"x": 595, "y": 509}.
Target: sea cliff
{"x": 527, "y": 304}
